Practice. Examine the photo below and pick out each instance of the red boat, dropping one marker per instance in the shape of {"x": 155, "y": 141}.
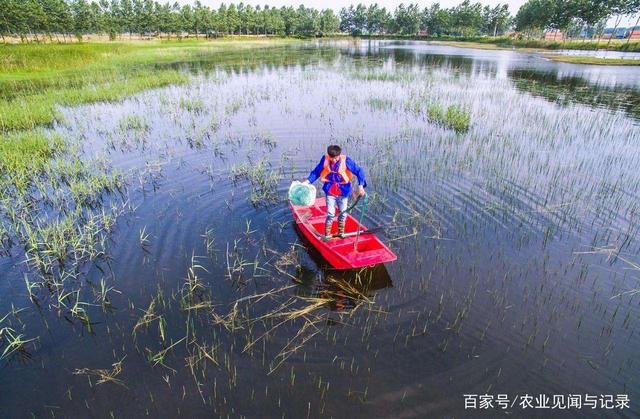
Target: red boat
{"x": 340, "y": 252}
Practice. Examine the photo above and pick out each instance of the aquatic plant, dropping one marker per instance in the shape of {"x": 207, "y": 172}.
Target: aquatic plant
{"x": 133, "y": 123}
{"x": 381, "y": 75}
{"x": 380, "y": 103}
{"x": 259, "y": 304}
{"x": 31, "y": 110}
{"x": 194, "y": 105}
{"x": 453, "y": 117}
{"x": 25, "y": 155}
{"x": 262, "y": 179}
{"x": 12, "y": 340}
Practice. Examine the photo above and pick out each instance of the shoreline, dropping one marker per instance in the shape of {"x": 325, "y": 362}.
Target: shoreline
{"x": 545, "y": 53}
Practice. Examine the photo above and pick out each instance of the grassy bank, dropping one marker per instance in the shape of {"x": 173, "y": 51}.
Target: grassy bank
{"x": 504, "y": 41}
{"x": 573, "y": 59}
{"x": 576, "y": 59}
{"x": 34, "y": 79}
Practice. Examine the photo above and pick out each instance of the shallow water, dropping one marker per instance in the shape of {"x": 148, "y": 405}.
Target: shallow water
{"x": 509, "y": 237}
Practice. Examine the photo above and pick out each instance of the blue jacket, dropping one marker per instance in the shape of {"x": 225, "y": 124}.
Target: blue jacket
{"x": 334, "y": 177}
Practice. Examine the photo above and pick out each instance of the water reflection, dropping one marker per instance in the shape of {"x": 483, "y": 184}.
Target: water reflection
{"x": 573, "y": 89}
{"x": 348, "y": 289}
{"x": 345, "y": 289}
{"x": 613, "y": 88}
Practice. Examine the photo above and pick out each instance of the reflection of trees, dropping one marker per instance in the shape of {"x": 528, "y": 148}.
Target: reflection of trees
{"x": 401, "y": 53}
{"x": 268, "y": 58}
{"x": 568, "y": 90}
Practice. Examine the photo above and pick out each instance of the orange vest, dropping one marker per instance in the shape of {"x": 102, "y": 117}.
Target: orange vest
{"x": 342, "y": 169}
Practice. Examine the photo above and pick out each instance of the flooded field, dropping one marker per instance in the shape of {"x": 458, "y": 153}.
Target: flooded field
{"x": 176, "y": 283}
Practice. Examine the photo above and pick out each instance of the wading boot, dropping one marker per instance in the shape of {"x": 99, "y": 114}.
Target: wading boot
{"x": 327, "y": 231}
{"x": 341, "y": 225}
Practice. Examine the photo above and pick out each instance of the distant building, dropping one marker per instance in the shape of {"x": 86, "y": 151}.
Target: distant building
{"x": 422, "y": 32}
{"x": 634, "y": 33}
{"x": 553, "y": 36}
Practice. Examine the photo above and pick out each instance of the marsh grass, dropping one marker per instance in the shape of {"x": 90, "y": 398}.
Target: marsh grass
{"x": 133, "y": 123}
{"x": 10, "y": 338}
{"x": 256, "y": 308}
{"x": 508, "y": 42}
{"x": 383, "y": 75}
{"x": 57, "y": 215}
{"x": 573, "y": 59}
{"x": 453, "y": 117}
{"x": 57, "y": 231}
{"x": 192, "y": 105}
{"x": 30, "y": 110}
{"x": 25, "y": 155}
{"x": 380, "y": 103}
{"x": 263, "y": 179}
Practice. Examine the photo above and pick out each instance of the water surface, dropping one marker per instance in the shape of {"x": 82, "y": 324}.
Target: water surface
{"x": 509, "y": 237}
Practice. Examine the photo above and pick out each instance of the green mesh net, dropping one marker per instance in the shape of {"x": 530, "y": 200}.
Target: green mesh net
{"x": 302, "y": 194}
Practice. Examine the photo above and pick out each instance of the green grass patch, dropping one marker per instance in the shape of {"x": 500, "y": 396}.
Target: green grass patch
{"x": 394, "y": 76}
{"x": 192, "y": 105}
{"x": 453, "y": 117}
{"x": 40, "y": 109}
{"x": 24, "y": 155}
{"x": 18, "y": 59}
{"x": 380, "y": 103}
{"x": 133, "y": 123}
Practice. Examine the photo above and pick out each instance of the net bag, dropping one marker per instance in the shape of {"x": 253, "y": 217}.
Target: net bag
{"x": 302, "y": 194}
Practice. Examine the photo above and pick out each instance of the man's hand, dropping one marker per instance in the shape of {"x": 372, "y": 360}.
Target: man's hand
{"x": 306, "y": 182}
{"x": 361, "y": 190}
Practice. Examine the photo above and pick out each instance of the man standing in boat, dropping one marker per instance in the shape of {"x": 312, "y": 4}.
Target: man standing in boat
{"x": 336, "y": 171}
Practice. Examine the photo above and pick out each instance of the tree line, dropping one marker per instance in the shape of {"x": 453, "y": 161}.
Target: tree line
{"x": 62, "y": 18}
{"x": 117, "y": 17}
{"x": 466, "y": 19}
{"x": 578, "y": 16}
{"x": 56, "y": 18}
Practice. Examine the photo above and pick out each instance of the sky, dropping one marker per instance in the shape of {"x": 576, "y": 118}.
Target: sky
{"x": 336, "y": 5}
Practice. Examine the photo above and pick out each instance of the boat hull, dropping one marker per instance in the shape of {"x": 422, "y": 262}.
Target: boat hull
{"x": 340, "y": 253}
